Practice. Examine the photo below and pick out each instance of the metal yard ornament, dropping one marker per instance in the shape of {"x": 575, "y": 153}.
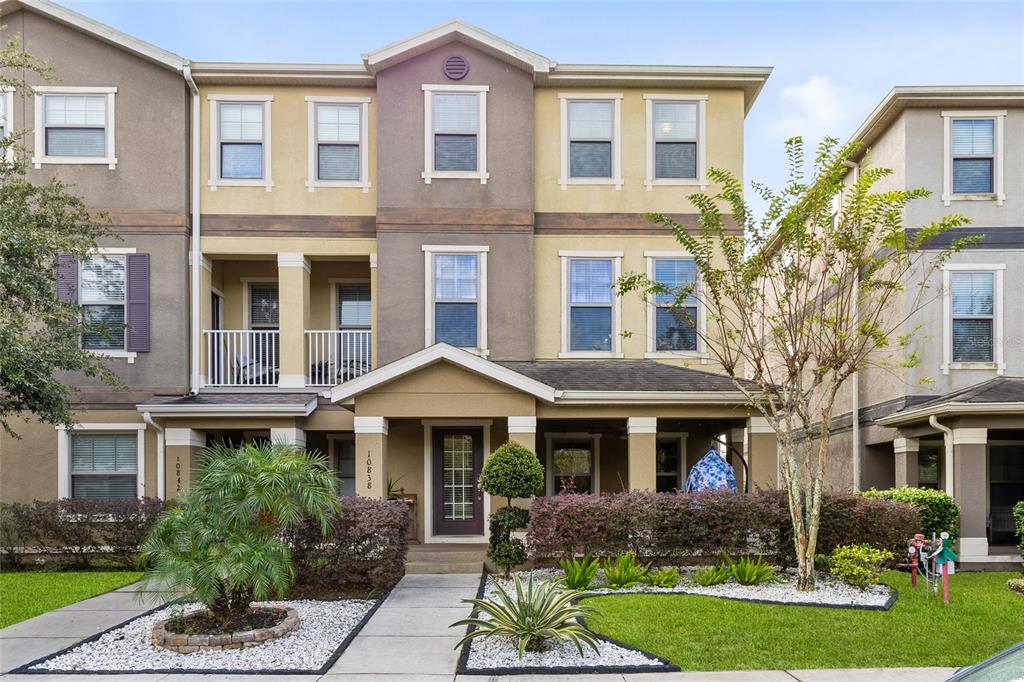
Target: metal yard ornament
{"x": 934, "y": 559}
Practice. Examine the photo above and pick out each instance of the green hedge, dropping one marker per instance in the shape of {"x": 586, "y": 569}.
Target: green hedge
{"x": 938, "y": 511}
{"x": 1018, "y": 516}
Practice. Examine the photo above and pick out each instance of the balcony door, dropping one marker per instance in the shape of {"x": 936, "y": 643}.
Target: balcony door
{"x": 458, "y": 457}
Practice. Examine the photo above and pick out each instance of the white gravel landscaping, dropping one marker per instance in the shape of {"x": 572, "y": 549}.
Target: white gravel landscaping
{"x": 488, "y": 653}
{"x": 324, "y": 625}
{"x": 830, "y": 592}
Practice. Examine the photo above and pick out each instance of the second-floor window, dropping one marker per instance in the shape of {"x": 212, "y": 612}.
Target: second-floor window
{"x": 102, "y": 290}
{"x": 455, "y": 131}
{"x": 973, "y": 315}
{"x": 74, "y": 126}
{"x": 591, "y": 312}
{"x": 675, "y": 326}
{"x": 456, "y": 297}
{"x": 973, "y": 149}
{"x": 264, "y": 305}
{"x": 354, "y": 309}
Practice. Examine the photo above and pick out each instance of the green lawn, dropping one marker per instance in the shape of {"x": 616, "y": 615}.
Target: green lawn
{"x": 705, "y": 633}
{"x": 24, "y": 595}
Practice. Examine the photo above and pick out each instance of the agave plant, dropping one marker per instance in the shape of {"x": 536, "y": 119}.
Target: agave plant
{"x": 748, "y": 570}
{"x": 222, "y": 544}
{"x": 712, "y": 575}
{"x": 535, "y": 613}
{"x": 625, "y": 571}
{"x": 665, "y": 577}
{"x": 579, "y": 573}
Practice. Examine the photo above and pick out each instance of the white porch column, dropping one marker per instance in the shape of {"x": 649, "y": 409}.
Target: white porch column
{"x": 288, "y": 434}
{"x": 905, "y": 454}
{"x": 523, "y": 430}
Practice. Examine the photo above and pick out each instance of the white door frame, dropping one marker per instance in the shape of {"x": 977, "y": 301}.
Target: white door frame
{"x": 428, "y": 480}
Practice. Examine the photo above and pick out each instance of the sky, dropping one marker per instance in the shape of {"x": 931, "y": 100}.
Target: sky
{"x": 833, "y": 61}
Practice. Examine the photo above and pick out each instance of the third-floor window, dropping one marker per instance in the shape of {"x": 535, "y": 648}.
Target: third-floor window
{"x": 240, "y": 140}
{"x": 455, "y": 132}
{"x": 973, "y": 149}
{"x": 338, "y": 154}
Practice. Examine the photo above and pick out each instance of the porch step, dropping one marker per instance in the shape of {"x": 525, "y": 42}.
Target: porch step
{"x": 441, "y": 558}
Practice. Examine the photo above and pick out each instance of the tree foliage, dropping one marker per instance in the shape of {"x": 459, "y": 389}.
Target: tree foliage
{"x": 39, "y": 334}
{"x": 223, "y": 545}
{"x": 798, "y": 300}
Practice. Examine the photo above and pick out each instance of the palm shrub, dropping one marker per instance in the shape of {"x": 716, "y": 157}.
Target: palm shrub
{"x": 535, "y": 613}
{"x": 512, "y": 471}
{"x": 222, "y": 545}
{"x": 579, "y": 573}
{"x": 624, "y": 570}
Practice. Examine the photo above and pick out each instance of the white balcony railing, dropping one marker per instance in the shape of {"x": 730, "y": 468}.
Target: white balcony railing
{"x": 242, "y": 357}
{"x": 337, "y": 355}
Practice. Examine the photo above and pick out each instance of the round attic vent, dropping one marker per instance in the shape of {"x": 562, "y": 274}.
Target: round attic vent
{"x": 455, "y": 67}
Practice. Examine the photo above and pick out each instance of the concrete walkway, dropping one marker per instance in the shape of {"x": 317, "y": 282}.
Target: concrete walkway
{"x": 406, "y": 640}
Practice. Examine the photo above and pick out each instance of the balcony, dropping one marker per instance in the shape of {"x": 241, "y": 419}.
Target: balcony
{"x": 252, "y": 357}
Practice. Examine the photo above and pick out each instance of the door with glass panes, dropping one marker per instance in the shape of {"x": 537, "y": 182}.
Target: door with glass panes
{"x": 458, "y": 456}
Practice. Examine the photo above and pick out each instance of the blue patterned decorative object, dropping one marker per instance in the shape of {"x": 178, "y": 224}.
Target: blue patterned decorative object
{"x": 712, "y": 472}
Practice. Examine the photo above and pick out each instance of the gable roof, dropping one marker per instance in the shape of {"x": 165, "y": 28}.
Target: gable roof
{"x": 97, "y": 30}
{"x": 442, "y": 352}
{"x": 454, "y": 29}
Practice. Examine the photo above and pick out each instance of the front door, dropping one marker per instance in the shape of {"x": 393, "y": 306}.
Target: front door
{"x": 458, "y": 504}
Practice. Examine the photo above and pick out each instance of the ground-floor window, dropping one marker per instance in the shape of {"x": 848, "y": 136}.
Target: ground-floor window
{"x": 667, "y": 466}
{"x": 104, "y": 465}
{"x": 572, "y": 466}
{"x": 929, "y": 464}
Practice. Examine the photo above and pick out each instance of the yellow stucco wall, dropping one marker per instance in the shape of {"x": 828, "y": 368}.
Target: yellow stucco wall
{"x": 288, "y": 158}
{"x": 724, "y": 141}
{"x": 547, "y": 269}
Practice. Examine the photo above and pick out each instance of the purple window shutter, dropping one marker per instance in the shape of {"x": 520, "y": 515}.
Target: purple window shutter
{"x": 137, "y": 301}
{"x": 67, "y": 278}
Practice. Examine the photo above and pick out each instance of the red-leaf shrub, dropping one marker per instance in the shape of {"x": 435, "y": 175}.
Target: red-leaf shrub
{"x": 76, "y": 533}
{"x": 365, "y": 551}
{"x": 678, "y": 526}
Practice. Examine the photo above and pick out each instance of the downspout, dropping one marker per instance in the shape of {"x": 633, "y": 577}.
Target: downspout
{"x": 161, "y": 458}
{"x": 947, "y": 466}
{"x": 855, "y": 397}
{"x": 195, "y": 327}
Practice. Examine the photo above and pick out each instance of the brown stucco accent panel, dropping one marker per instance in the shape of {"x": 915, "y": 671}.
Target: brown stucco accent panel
{"x": 400, "y": 298}
{"x": 510, "y": 123}
{"x": 233, "y": 225}
{"x": 395, "y": 218}
{"x": 151, "y": 116}
{"x": 627, "y": 223}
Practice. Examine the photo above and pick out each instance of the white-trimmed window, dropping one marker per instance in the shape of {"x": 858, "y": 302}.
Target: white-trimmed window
{"x": 973, "y": 319}
{"x": 673, "y": 329}
{"x": 676, "y": 153}
{"x": 456, "y": 296}
{"x": 240, "y": 141}
{"x": 338, "y": 150}
{"x": 573, "y": 463}
{"x": 591, "y": 139}
{"x": 355, "y": 308}
{"x": 973, "y": 151}
{"x": 264, "y": 306}
{"x": 102, "y": 291}
{"x": 74, "y": 126}
{"x": 101, "y": 461}
{"x": 591, "y": 311}
{"x": 455, "y": 132}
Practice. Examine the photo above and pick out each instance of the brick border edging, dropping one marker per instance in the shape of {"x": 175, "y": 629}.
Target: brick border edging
{"x": 27, "y": 669}
{"x": 187, "y": 644}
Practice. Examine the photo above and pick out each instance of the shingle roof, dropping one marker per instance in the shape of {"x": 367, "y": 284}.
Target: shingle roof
{"x": 620, "y": 375}
{"x": 998, "y": 390}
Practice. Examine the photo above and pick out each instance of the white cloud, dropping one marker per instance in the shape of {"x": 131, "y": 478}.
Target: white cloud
{"x": 816, "y": 108}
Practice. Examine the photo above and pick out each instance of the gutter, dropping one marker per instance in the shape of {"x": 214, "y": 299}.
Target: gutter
{"x": 948, "y": 442}
{"x": 195, "y": 327}
{"x": 161, "y": 458}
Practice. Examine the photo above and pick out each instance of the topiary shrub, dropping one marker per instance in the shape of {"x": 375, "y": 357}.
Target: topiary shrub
{"x": 858, "y": 565}
{"x": 512, "y": 471}
{"x": 938, "y": 511}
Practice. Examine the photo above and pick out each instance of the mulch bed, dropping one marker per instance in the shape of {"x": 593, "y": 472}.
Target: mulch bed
{"x": 203, "y": 622}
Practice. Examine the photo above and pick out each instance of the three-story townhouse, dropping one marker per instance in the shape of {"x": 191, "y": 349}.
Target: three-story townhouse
{"x": 113, "y": 124}
{"x": 400, "y": 263}
{"x": 955, "y": 421}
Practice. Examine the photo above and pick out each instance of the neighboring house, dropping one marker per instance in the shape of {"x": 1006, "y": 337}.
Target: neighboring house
{"x": 406, "y": 261}
{"x": 113, "y": 124}
{"x": 956, "y": 421}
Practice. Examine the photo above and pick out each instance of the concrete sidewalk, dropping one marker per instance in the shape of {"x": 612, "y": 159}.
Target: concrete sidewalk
{"x": 406, "y": 640}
